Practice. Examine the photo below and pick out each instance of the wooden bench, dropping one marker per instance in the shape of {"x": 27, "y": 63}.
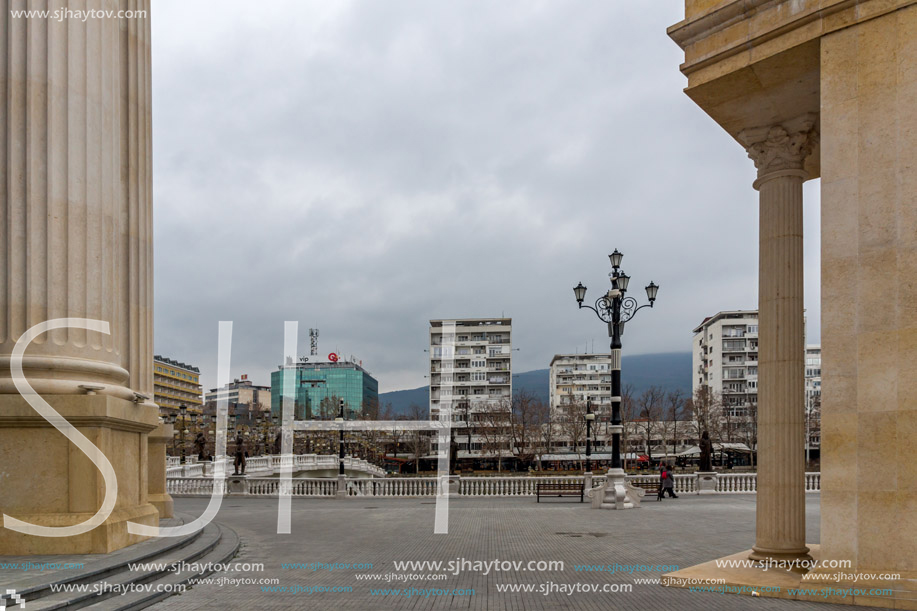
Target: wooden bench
{"x": 558, "y": 489}
{"x": 650, "y": 487}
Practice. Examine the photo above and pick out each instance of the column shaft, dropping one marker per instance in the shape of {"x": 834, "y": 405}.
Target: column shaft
{"x": 780, "y": 526}
{"x": 75, "y": 209}
{"x": 779, "y": 153}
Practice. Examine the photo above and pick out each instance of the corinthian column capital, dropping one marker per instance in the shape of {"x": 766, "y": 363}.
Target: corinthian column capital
{"x": 781, "y": 149}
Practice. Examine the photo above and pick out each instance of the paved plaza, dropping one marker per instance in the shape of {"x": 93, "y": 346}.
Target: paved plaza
{"x": 683, "y": 532}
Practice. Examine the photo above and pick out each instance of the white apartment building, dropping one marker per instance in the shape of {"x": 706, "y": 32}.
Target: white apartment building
{"x": 813, "y": 395}
{"x": 725, "y": 358}
{"x": 578, "y": 378}
{"x": 471, "y": 370}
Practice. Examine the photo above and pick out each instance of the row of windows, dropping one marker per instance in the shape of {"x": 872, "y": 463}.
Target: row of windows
{"x": 177, "y": 374}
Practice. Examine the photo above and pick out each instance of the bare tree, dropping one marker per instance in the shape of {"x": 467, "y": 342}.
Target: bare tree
{"x": 706, "y": 411}
{"x": 573, "y": 424}
{"x": 675, "y": 412}
{"x": 549, "y": 430}
{"x": 541, "y": 420}
{"x": 525, "y": 415}
{"x": 417, "y": 439}
{"x": 650, "y": 413}
{"x": 494, "y": 424}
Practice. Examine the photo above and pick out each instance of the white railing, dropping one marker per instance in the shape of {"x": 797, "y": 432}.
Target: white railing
{"x": 402, "y": 486}
{"x": 272, "y": 464}
{"x": 301, "y": 486}
{"x": 685, "y": 483}
{"x": 510, "y": 486}
{"x": 737, "y": 482}
{"x": 813, "y": 481}
{"x": 178, "y": 484}
{"x": 190, "y": 486}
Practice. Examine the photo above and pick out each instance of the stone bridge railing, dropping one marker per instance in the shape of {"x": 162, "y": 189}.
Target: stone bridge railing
{"x": 270, "y": 465}
{"x": 722, "y": 483}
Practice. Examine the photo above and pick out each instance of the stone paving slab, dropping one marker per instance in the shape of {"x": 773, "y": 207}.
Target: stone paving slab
{"x": 683, "y": 532}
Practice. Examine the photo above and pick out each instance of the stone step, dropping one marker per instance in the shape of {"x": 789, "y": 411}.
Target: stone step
{"x": 109, "y": 585}
{"x": 95, "y": 566}
{"x": 105, "y": 576}
{"x": 224, "y": 551}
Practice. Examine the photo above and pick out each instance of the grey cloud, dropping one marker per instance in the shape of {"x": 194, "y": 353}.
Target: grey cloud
{"x": 363, "y": 167}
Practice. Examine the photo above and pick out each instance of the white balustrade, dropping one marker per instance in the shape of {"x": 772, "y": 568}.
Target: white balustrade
{"x": 179, "y": 483}
{"x": 813, "y": 481}
{"x": 737, "y": 482}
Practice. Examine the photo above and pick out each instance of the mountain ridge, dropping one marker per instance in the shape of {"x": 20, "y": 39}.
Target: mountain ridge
{"x": 668, "y": 370}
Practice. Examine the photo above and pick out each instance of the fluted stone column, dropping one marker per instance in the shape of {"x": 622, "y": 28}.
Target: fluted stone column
{"x": 76, "y": 242}
{"x": 158, "y": 493}
{"x": 779, "y": 153}
{"x": 76, "y": 219}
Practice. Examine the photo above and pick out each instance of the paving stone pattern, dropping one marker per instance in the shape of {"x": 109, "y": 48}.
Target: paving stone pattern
{"x": 683, "y": 532}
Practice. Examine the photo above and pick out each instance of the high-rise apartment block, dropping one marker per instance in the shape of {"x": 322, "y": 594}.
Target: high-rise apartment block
{"x": 471, "y": 372}
{"x": 813, "y": 396}
{"x": 580, "y": 378}
{"x": 725, "y": 359}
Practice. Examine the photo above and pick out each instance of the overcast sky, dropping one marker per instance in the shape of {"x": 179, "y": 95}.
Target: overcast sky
{"x": 363, "y": 167}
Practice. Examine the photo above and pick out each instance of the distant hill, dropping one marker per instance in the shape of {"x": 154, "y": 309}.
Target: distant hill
{"x": 669, "y": 370}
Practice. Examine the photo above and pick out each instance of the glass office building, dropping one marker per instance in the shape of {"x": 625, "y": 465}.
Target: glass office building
{"x": 316, "y": 389}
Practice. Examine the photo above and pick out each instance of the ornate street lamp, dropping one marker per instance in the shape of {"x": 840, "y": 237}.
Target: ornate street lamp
{"x": 616, "y": 309}
{"x": 340, "y": 418}
{"x": 184, "y": 411}
{"x": 589, "y": 417}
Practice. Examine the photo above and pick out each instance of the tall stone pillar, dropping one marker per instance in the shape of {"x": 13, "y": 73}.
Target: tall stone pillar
{"x": 76, "y": 238}
{"x": 158, "y": 493}
{"x": 779, "y": 153}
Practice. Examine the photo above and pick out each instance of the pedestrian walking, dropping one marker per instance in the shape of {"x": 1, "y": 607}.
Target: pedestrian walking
{"x": 668, "y": 484}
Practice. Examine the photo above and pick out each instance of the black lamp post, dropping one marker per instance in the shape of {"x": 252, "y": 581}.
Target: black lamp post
{"x": 170, "y": 419}
{"x": 589, "y": 418}
{"x": 183, "y": 410}
{"x": 340, "y": 418}
{"x": 615, "y": 309}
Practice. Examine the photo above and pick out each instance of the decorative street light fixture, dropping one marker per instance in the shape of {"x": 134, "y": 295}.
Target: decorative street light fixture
{"x": 170, "y": 419}
{"x": 590, "y": 417}
{"x": 342, "y": 483}
{"x": 184, "y": 411}
{"x": 616, "y": 309}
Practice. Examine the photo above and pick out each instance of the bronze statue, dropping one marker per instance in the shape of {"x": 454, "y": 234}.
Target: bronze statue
{"x": 240, "y": 456}
{"x": 706, "y": 452}
{"x": 200, "y": 444}
{"x": 453, "y": 453}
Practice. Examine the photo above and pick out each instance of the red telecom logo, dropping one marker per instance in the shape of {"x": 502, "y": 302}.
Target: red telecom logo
{"x": 333, "y": 357}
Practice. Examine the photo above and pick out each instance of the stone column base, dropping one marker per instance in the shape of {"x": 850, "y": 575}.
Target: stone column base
{"x": 706, "y": 482}
{"x": 617, "y": 493}
{"x": 156, "y": 458}
{"x": 48, "y": 481}
{"x": 109, "y": 536}
{"x": 776, "y": 582}
{"x": 342, "y": 487}
{"x": 163, "y": 504}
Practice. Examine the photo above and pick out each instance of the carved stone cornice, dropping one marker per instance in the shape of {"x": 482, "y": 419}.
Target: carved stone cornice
{"x": 782, "y": 147}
